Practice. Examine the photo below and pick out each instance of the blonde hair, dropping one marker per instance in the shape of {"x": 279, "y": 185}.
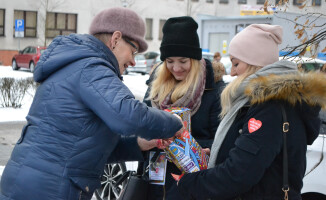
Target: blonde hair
{"x": 231, "y": 89}
{"x": 165, "y": 82}
{"x": 219, "y": 70}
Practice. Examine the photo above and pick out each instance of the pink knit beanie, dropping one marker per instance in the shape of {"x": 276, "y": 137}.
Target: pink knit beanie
{"x": 257, "y": 44}
{"x": 129, "y": 23}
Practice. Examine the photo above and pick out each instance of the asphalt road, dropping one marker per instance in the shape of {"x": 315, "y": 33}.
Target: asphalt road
{"x": 9, "y": 135}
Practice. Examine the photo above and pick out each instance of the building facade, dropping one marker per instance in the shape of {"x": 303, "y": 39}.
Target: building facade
{"x": 45, "y": 19}
{"x": 216, "y": 32}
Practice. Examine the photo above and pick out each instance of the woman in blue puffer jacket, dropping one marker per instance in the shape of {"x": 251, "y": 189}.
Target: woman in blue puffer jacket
{"x": 83, "y": 116}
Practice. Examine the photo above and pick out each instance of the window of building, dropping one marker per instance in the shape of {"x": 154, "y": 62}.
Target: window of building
{"x": 60, "y": 24}
{"x": 260, "y": 1}
{"x": 297, "y": 2}
{"x": 240, "y": 27}
{"x": 209, "y": 1}
{"x": 30, "y": 22}
{"x": 242, "y": 1}
{"x": 160, "y": 35}
{"x": 224, "y": 1}
{"x": 2, "y": 22}
{"x": 149, "y": 28}
{"x": 316, "y": 2}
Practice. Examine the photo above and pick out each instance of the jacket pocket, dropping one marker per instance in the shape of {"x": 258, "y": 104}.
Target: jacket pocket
{"x": 20, "y": 140}
{"x": 85, "y": 184}
{"x": 248, "y": 145}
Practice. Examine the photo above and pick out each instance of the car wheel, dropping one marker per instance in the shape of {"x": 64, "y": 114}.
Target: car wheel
{"x": 31, "y": 66}
{"x": 112, "y": 172}
{"x": 14, "y": 65}
{"x": 313, "y": 196}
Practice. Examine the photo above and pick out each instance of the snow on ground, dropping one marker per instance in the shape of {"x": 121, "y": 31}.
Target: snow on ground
{"x": 1, "y": 169}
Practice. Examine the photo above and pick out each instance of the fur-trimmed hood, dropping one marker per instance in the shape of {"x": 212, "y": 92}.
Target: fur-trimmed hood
{"x": 304, "y": 90}
{"x": 293, "y": 88}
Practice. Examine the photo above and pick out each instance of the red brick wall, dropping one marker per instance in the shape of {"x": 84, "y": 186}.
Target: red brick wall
{"x": 6, "y": 56}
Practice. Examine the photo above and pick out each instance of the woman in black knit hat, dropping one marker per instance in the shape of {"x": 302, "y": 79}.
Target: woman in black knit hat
{"x": 183, "y": 79}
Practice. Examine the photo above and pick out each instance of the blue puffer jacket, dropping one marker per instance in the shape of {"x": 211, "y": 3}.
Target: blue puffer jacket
{"x": 82, "y": 116}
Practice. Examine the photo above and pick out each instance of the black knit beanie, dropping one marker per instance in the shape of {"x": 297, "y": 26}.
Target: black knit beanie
{"x": 180, "y": 39}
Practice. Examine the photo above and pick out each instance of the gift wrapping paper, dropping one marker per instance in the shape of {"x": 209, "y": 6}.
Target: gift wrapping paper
{"x": 184, "y": 151}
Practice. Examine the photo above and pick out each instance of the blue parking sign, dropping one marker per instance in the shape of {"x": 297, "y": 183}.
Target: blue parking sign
{"x": 19, "y": 25}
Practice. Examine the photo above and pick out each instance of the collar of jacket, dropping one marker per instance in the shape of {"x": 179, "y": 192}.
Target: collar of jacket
{"x": 293, "y": 88}
{"x": 65, "y": 50}
{"x": 108, "y": 54}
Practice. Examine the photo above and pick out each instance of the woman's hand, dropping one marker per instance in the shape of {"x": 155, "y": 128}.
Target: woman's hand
{"x": 163, "y": 143}
{"x": 146, "y": 145}
{"x": 207, "y": 151}
{"x": 178, "y": 134}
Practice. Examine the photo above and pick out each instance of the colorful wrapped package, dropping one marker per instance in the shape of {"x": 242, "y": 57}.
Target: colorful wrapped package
{"x": 184, "y": 151}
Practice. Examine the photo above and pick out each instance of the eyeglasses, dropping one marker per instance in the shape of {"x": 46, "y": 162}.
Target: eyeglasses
{"x": 133, "y": 45}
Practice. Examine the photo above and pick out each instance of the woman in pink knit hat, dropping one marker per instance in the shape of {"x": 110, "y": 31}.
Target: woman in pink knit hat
{"x": 269, "y": 116}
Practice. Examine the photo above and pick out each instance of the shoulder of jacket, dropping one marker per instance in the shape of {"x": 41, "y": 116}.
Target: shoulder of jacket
{"x": 293, "y": 88}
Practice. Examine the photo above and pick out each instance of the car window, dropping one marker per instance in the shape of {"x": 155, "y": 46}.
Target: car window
{"x": 42, "y": 50}
{"x": 308, "y": 67}
{"x": 150, "y": 55}
{"x": 26, "y": 50}
{"x": 32, "y": 50}
{"x": 139, "y": 57}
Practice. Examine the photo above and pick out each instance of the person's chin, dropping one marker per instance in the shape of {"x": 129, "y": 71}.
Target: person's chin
{"x": 179, "y": 78}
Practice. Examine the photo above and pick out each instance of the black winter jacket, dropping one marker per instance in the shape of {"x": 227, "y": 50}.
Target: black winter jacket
{"x": 249, "y": 163}
{"x": 204, "y": 124}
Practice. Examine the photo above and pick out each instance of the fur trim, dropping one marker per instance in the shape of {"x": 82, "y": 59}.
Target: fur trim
{"x": 307, "y": 87}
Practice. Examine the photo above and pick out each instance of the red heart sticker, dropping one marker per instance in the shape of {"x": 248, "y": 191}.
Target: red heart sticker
{"x": 254, "y": 125}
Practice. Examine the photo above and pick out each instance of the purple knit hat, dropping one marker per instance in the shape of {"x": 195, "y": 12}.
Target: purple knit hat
{"x": 257, "y": 44}
{"x": 129, "y": 23}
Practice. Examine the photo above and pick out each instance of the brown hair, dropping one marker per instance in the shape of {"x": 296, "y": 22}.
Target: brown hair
{"x": 217, "y": 54}
{"x": 219, "y": 70}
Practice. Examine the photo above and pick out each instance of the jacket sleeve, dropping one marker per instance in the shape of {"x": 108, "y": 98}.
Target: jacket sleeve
{"x": 252, "y": 155}
{"x": 126, "y": 150}
{"x": 105, "y": 94}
